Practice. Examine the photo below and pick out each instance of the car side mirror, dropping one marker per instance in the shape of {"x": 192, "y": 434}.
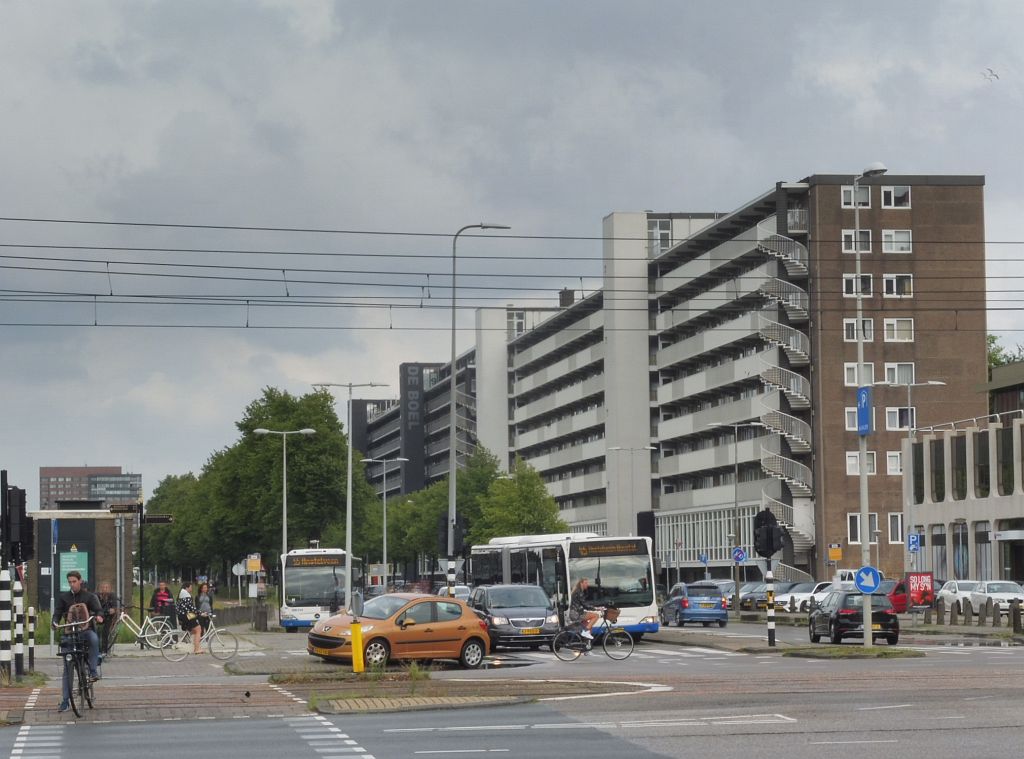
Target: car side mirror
{"x": 406, "y": 622}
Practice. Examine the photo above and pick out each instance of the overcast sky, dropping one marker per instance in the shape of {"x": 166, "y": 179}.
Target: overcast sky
{"x": 413, "y": 117}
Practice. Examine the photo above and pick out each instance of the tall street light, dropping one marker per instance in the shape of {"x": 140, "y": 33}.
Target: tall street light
{"x": 863, "y": 392}
{"x": 911, "y": 433}
{"x": 348, "y": 482}
{"x": 735, "y": 502}
{"x": 452, "y": 437}
{"x": 284, "y": 480}
{"x": 384, "y": 476}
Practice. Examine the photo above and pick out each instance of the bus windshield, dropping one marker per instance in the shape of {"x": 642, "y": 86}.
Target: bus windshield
{"x": 314, "y": 585}
{"x": 615, "y": 580}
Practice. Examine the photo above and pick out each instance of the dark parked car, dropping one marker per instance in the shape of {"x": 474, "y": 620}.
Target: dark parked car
{"x": 841, "y": 615}
{"x": 516, "y": 615}
{"x": 695, "y": 602}
{"x": 758, "y": 597}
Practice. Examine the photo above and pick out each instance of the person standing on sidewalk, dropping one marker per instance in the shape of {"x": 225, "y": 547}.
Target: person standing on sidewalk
{"x": 204, "y": 604}
{"x": 111, "y": 606}
{"x": 188, "y": 616}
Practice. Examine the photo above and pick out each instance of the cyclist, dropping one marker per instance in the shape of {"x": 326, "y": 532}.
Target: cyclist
{"x": 79, "y": 595}
{"x": 580, "y": 610}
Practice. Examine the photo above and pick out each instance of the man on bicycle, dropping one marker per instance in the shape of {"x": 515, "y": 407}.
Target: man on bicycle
{"x": 580, "y": 610}
{"x": 79, "y": 595}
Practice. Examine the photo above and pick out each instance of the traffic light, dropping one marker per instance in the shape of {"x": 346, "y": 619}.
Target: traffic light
{"x": 459, "y": 535}
{"x": 769, "y": 535}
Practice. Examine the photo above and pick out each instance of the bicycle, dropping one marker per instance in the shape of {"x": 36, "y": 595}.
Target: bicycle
{"x": 77, "y": 685}
{"x": 177, "y": 644}
{"x": 150, "y": 633}
{"x": 570, "y": 644}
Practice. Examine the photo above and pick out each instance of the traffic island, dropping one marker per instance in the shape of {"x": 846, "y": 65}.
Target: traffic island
{"x": 852, "y": 652}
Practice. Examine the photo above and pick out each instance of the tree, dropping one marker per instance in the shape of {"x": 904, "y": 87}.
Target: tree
{"x": 1000, "y": 356}
{"x": 517, "y": 505}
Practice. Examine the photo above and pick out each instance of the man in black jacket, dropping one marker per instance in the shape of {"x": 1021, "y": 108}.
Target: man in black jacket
{"x": 79, "y": 595}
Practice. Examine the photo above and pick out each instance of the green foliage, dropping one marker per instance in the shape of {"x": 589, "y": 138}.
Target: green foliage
{"x": 518, "y": 505}
{"x": 1000, "y": 356}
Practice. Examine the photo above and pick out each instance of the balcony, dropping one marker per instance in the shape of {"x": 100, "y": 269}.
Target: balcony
{"x": 566, "y": 396}
{"x": 577, "y": 361}
{"x": 569, "y": 425}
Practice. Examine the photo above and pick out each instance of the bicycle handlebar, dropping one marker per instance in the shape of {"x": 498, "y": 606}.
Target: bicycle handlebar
{"x": 72, "y": 624}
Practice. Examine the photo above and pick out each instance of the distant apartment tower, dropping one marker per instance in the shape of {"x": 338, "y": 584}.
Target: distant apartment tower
{"x": 83, "y": 487}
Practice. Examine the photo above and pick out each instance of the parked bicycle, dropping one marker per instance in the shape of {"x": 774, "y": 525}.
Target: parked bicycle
{"x": 150, "y": 633}
{"x": 74, "y": 652}
{"x": 177, "y": 644}
{"x": 570, "y": 644}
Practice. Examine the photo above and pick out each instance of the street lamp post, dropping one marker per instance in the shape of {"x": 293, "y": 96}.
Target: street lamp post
{"x": 348, "y": 483}
{"x": 384, "y": 485}
{"x": 452, "y": 436}
{"x": 284, "y": 479}
{"x": 874, "y": 170}
{"x": 735, "y": 534}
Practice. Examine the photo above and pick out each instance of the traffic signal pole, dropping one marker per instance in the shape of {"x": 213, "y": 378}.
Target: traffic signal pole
{"x": 770, "y": 595}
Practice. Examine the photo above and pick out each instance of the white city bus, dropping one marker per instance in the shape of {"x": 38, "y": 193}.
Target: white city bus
{"x": 620, "y": 570}
{"x": 313, "y": 585}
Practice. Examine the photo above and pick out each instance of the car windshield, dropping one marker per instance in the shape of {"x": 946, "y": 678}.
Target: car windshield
{"x": 383, "y": 607}
{"x": 518, "y": 598}
{"x": 886, "y": 586}
{"x": 759, "y": 588}
{"x": 802, "y": 587}
{"x": 1003, "y": 587}
{"x": 704, "y": 590}
{"x": 966, "y": 585}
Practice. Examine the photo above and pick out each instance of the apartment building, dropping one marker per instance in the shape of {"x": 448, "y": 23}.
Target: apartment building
{"x": 73, "y": 486}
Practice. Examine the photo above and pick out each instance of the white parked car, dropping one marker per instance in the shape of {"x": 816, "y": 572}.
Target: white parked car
{"x": 821, "y": 590}
{"x": 954, "y": 592}
{"x": 1000, "y": 591}
{"x": 800, "y": 595}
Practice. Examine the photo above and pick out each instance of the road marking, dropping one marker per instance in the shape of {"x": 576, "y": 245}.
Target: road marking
{"x": 465, "y": 751}
{"x": 876, "y": 708}
{"x": 731, "y": 719}
{"x": 841, "y": 743}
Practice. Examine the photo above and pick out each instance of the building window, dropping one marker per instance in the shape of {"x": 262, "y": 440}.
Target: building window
{"x": 899, "y": 417}
{"x": 894, "y": 462}
{"x": 899, "y": 330}
{"x": 851, "y": 418}
{"x": 850, "y": 330}
{"x": 853, "y": 527}
{"x": 850, "y": 374}
{"x": 900, "y": 373}
{"x": 853, "y": 462}
{"x": 897, "y": 196}
{"x": 863, "y": 196}
{"x": 899, "y": 285}
{"x": 897, "y": 241}
{"x": 849, "y": 288}
{"x": 895, "y": 527}
{"x": 659, "y": 235}
{"x": 864, "y": 237}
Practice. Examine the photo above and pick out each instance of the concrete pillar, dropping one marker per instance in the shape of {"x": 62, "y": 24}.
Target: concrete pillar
{"x": 940, "y": 611}
{"x": 1015, "y": 616}
{"x": 953, "y": 618}
{"x": 968, "y": 611}
{"x": 997, "y": 617}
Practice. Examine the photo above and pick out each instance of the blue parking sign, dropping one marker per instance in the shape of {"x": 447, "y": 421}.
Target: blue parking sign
{"x": 913, "y": 542}
{"x": 864, "y": 411}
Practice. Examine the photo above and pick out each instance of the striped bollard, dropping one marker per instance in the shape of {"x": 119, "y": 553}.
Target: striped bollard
{"x": 19, "y": 628}
{"x": 5, "y": 624}
{"x": 31, "y": 638}
{"x": 770, "y": 592}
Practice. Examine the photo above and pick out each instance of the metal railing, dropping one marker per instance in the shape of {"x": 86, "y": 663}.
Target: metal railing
{"x": 796, "y": 387}
{"x": 796, "y": 344}
{"x": 799, "y": 477}
{"x": 794, "y": 299}
{"x": 797, "y": 431}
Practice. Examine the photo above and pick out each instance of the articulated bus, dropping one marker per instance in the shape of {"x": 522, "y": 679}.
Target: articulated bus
{"x": 620, "y": 570}
{"x": 313, "y": 582}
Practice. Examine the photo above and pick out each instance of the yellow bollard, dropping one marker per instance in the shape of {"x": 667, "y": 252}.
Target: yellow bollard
{"x": 357, "y": 646}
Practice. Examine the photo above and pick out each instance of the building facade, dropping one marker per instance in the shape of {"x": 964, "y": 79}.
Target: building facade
{"x": 70, "y": 487}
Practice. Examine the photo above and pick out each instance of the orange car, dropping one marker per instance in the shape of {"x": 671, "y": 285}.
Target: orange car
{"x": 405, "y": 626}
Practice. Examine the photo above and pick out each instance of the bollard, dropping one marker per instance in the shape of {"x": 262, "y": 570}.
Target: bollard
{"x": 940, "y": 611}
{"x": 770, "y": 593}
{"x": 954, "y": 619}
{"x": 997, "y": 615}
{"x": 928, "y": 615}
{"x": 31, "y": 638}
{"x": 967, "y": 610}
{"x": 357, "y": 646}
{"x": 1015, "y": 616}
{"x": 983, "y": 615}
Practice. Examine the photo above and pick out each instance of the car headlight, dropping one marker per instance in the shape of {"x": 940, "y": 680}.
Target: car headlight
{"x": 500, "y": 620}
{"x": 551, "y": 619}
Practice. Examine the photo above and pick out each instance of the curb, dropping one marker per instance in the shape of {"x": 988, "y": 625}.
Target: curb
{"x": 414, "y": 703}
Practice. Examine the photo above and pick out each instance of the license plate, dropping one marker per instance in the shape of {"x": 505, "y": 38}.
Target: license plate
{"x": 707, "y": 606}
{"x": 876, "y": 627}
{"x": 321, "y": 651}
{"x": 530, "y": 631}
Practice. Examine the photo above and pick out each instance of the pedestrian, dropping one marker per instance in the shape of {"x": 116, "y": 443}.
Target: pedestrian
{"x": 78, "y": 597}
{"x": 111, "y": 606}
{"x": 188, "y": 617}
{"x": 204, "y": 604}
{"x": 161, "y": 604}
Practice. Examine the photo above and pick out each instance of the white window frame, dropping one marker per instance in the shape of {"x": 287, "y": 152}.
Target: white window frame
{"x": 847, "y": 195}
{"x": 850, "y": 373}
{"x": 890, "y": 288}
{"x": 853, "y": 461}
{"x": 853, "y": 527}
{"x": 890, "y": 328}
{"x": 892, "y": 418}
{"x": 850, "y": 422}
{"x": 889, "y": 196}
{"x": 892, "y": 372}
{"x": 852, "y": 280}
{"x": 891, "y": 245}
{"x": 868, "y": 325}
{"x": 865, "y": 240}
{"x": 894, "y": 462}
{"x": 895, "y": 527}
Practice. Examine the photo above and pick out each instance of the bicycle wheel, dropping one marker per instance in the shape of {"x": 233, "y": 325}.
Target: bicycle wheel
{"x": 71, "y": 683}
{"x": 568, "y": 645}
{"x": 84, "y": 684}
{"x": 618, "y": 644}
{"x": 176, "y": 645}
{"x": 222, "y": 644}
{"x": 154, "y": 635}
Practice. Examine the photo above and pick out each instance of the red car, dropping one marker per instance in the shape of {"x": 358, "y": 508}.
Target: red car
{"x": 895, "y": 591}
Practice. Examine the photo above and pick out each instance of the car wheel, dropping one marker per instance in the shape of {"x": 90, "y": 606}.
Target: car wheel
{"x": 810, "y": 632}
{"x": 723, "y": 622}
{"x": 834, "y": 635}
{"x": 892, "y": 640}
{"x": 679, "y": 620}
{"x": 472, "y": 654}
{"x": 637, "y": 637}
{"x": 662, "y": 618}
{"x": 376, "y": 653}
{"x": 803, "y": 607}
{"x": 706, "y": 624}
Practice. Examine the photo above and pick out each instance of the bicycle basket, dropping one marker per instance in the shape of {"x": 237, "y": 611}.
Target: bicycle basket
{"x": 611, "y": 614}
